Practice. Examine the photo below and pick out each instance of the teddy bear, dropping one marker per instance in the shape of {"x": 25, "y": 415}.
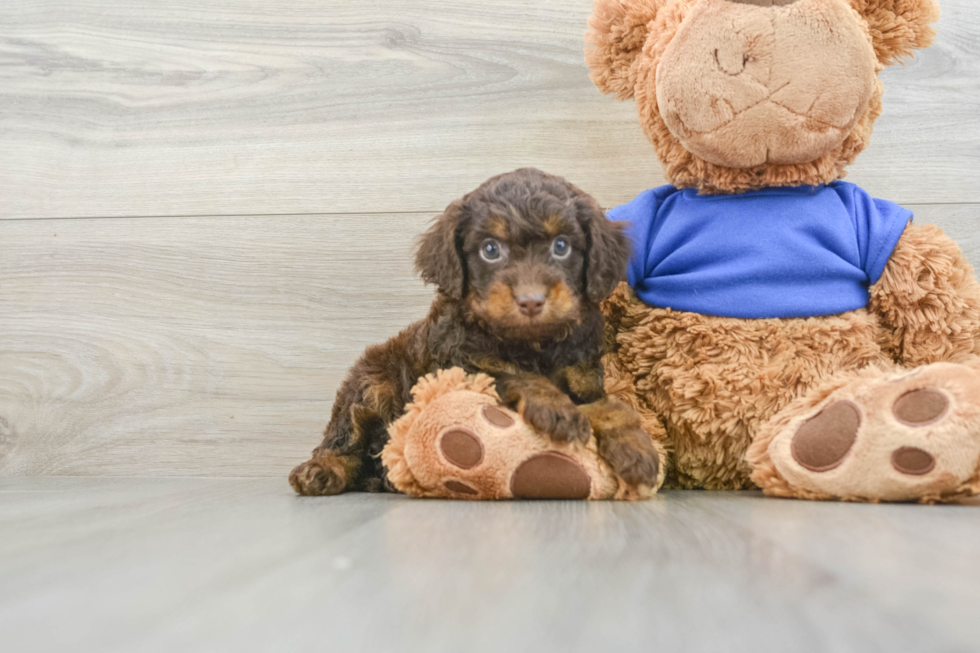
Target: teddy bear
{"x": 779, "y": 327}
{"x": 788, "y": 331}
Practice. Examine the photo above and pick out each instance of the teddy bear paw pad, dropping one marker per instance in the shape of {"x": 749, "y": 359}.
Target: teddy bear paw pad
{"x": 550, "y": 475}
{"x": 913, "y": 461}
{"x": 920, "y": 407}
{"x": 497, "y": 417}
{"x": 461, "y": 448}
{"x": 892, "y": 438}
{"x": 823, "y": 441}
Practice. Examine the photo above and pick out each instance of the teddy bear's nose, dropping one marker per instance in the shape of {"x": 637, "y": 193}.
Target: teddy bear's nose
{"x": 764, "y": 3}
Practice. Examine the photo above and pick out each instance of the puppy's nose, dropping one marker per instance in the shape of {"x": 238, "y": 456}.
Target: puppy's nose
{"x": 531, "y": 304}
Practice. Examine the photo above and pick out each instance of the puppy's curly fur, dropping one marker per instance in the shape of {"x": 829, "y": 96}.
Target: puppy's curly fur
{"x": 521, "y": 265}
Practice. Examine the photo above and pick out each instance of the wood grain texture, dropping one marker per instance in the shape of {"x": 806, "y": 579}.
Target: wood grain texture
{"x": 204, "y": 346}
{"x": 243, "y": 565}
{"x": 188, "y": 346}
{"x": 176, "y": 107}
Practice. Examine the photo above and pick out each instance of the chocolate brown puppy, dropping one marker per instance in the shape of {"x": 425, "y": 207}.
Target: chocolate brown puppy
{"x": 521, "y": 265}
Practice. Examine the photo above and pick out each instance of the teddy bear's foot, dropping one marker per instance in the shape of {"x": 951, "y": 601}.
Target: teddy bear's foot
{"x": 477, "y": 459}
{"x": 878, "y": 437}
{"x": 456, "y": 441}
{"x": 479, "y": 450}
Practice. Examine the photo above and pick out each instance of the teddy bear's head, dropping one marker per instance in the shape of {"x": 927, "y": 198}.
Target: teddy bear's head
{"x": 738, "y": 95}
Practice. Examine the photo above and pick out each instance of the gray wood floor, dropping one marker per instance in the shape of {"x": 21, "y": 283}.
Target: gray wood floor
{"x": 242, "y": 564}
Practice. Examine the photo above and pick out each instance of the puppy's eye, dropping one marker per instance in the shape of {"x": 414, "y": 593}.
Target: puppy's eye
{"x": 491, "y": 250}
{"x": 560, "y": 247}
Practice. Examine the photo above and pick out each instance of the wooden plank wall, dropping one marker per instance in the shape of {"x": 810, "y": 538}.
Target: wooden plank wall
{"x": 207, "y": 209}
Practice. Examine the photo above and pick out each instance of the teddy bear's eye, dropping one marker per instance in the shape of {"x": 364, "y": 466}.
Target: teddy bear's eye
{"x": 560, "y": 247}
{"x": 491, "y": 250}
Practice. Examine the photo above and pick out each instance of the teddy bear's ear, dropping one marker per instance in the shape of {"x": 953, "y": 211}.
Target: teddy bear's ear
{"x": 899, "y": 27}
{"x": 617, "y": 31}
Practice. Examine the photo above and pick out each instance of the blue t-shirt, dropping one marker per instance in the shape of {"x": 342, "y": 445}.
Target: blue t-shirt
{"x": 780, "y": 252}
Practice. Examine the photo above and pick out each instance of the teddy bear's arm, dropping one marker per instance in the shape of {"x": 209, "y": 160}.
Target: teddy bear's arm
{"x": 928, "y": 300}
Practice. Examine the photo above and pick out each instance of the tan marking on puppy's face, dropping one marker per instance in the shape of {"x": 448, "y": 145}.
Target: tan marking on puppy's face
{"x": 500, "y": 311}
{"x": 554, "y": 225}
{"x": 562, "y": 301}
{"x": 499, "y": 304}
{"x": 498, "y": 228}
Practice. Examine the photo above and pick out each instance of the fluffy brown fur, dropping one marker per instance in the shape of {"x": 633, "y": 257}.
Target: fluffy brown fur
{"x": 717, "y": 382}
{"x": 928, "y": 301}
{"x": 527, "y": 316}
{"x": 898, "y": 27}
{"x": 714, "y": 380}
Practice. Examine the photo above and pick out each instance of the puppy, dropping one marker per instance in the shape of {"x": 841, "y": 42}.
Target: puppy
{"x": 521, "y": 265}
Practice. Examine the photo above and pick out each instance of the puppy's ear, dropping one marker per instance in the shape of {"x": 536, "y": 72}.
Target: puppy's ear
{"x": 439, "y": 257}
{"x": 608, "y": 250}
{"x": 898, "y": 27}
{"x": 617, "y": 31}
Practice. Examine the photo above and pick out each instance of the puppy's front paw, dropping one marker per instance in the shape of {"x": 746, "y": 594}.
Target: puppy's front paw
{"x": 557, "y": 417}
{"x": 319, "y": 477}
{"x": 631, "y": 454}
